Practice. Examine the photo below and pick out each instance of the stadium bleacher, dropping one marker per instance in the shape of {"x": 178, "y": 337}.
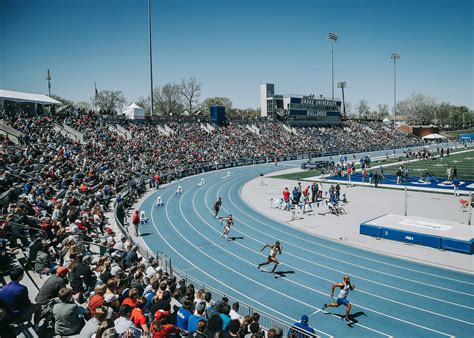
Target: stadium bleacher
{"x": 56, "y": 194}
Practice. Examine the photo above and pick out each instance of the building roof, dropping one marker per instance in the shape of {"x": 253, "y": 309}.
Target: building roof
{"x": 27, "y": 97}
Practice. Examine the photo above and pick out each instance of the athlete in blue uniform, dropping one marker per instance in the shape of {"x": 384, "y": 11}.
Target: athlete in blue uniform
{"x": 345, "y": 286}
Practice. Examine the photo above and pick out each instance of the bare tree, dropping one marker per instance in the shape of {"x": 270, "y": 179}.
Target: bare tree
{"x": 169, "y": 101}
{"x": 418, "y": 109}
{"x": 64, "y": 101}
{"x": 83, "y": 105}
{"x": 190, "y": 91}
{"x": 363, "y": 109}
{"x": 382, "y": 111}
{"x": 145, "y": 104}
{"x": 109, "y": 100}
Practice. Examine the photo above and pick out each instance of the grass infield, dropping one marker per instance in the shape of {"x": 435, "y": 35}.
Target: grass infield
{"x": 463, "y": 161}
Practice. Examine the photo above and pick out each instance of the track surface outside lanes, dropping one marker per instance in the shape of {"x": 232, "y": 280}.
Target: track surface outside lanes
{"x": 393, "y": 297}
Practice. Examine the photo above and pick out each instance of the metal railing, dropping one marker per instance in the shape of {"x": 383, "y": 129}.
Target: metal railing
{"x": 267, "y": 321}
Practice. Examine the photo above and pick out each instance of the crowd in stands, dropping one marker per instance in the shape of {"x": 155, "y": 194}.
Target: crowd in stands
{"x": 55, "y": 194}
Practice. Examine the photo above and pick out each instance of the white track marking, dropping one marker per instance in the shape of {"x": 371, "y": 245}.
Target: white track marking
{"x": 303, "y": 271}
{"x": 345, "y": 253}
{"x": 211, "y": 276}
{"x": 344, "y": 262}
{"x": 289, "y": 280}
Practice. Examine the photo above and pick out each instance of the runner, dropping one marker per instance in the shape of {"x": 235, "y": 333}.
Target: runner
{"x": 345, "y": 286}
{"x": 274, "y": 249}
{"x": 217, "y": 205}
{"x": 229, "y": 221}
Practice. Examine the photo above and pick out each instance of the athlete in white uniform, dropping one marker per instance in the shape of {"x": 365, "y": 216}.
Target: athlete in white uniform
{"x": 345, "y": 286}
{"x": 228, "y": 222}
{"x": 274, "y": 249}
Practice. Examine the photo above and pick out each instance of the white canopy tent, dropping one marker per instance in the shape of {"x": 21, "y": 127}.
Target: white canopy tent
{"x": 134, "y": 112}
{"x": 27, "y": 97}
{"x": 433, "y": 137}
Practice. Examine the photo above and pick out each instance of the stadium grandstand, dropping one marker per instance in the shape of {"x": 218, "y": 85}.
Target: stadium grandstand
{"x": 66, "y": 185}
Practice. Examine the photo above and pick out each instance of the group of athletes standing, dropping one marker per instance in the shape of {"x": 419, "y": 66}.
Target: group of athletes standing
{"x": 276, "y": 248}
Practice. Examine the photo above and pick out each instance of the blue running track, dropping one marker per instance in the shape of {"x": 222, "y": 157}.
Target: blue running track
{"x": 393, "y": 297}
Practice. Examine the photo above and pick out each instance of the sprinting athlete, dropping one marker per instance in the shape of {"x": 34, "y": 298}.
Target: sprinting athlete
{"x": 274, "y": 249}
{"x": 217, "y": 205}
{"x": 228, "y": 222}
{"x": 345, "y": 286}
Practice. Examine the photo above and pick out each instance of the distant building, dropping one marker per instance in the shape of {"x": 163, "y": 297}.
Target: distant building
{"x": 299, "y": 109}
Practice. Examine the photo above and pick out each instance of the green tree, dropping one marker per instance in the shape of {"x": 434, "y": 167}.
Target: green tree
{"x": 217, "y": 101}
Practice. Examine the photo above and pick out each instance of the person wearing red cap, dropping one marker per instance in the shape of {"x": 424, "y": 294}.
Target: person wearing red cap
{"x": 161, "y": 330}
{"x": 51, "y": 287}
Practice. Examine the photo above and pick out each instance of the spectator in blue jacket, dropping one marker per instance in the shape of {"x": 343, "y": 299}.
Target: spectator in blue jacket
{"x": 302, "y": 325}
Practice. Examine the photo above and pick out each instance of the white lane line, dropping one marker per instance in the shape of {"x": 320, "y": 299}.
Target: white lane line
{"x": 289, "y": 280}
{"x": 212, "y": 277}
{"x": 231, "y": 269}
{"x": 305, "y": 272}
{"x": 342, "y": 261}
{"x": 216, "y": 173}
{"x": 464, "y": 293}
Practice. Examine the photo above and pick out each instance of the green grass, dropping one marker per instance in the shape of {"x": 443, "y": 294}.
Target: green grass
{"x": 464, "y": 163}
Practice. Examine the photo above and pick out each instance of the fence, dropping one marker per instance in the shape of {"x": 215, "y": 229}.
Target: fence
{"x": 266, "y": 321}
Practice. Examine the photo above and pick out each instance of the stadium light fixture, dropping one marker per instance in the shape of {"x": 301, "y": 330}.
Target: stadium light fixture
{"x": 342, "y": 85}
{"x": 394, "y": 57}
{"x": 333, "y": 37}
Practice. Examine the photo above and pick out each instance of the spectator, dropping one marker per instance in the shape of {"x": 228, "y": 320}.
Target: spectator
{"x": 67, "y": 318}
{"x": 52, "y": 285}
{"x": 303, "y": 330}
{"x": 138, "y": 318}
{"x": 97, "y": 299}
{"x": 91, "y": 326}
{"x": 201, "y": 329}
{"x": 159, "y": 328}
{"x": 183, "y": 314}
{"x": 123, "y": 324}
{"x": 195, "y": 318}
{"x": 234, "y": 312}
{"x": 233, "y": 329}
{"x": 225, "y": 310}
{"x": 15, "y": 298}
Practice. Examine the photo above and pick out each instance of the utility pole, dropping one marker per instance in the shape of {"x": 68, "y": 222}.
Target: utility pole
{"x": 151, "y": 59}
{"x": 48, "y": 77}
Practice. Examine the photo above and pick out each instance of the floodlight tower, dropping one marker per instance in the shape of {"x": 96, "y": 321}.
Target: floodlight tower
{"x": 333, "y": 38}
{"x": 395, "y": 57}
{"x": 342, "y": 85}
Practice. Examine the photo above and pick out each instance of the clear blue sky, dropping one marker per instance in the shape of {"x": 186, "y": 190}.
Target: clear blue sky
{"x": 231, "y": 46}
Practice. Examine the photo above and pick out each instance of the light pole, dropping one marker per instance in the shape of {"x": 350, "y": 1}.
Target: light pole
{"x": 151, "y": 61}
{"x": 333, "y": 38}
{"x": 395, "y": 57}
{"x": 342, "y": 85}
{"x": 48, "y": 77}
